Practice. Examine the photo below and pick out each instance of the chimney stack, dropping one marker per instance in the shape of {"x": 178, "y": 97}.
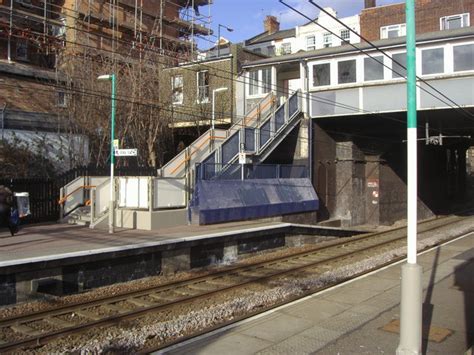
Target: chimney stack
{"x": 271, "y": 24}
{"x": 370, "y": 3}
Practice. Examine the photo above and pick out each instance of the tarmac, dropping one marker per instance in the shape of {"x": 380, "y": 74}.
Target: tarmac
{"x": 58, "y": 241}
{"x": 361, "y": 316}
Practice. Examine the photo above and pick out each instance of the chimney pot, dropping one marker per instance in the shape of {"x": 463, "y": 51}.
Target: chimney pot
{"x": 271, "y": 24}
{"x": 370, "y": 3}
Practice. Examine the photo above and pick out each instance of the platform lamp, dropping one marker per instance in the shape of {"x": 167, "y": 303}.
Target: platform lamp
{"x": 219, "y": 37}
{"x": 111, "y": 78}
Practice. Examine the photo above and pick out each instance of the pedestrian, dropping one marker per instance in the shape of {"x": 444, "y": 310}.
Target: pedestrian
{"x": 7, "y": 211}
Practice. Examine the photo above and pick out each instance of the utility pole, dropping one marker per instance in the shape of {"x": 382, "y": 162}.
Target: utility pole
{"x": 411, "y": 287}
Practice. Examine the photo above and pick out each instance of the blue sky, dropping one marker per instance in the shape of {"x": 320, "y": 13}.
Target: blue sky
{"x": 246, "y": 16}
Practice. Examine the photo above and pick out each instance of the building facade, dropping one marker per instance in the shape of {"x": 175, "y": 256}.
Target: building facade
{"x": 388, "y": 21}
{"x": 323, "y": 32}
{"x": 357, "y": 104}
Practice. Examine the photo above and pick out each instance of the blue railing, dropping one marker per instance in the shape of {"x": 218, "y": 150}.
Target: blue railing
{"x": 207, "y": 171}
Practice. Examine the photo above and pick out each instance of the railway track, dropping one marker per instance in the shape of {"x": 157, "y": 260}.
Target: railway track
{"x": 39, "y": 328}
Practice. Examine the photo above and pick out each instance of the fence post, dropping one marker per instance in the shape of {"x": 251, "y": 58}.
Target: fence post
{"x": 93, "y": 194}
{"x": 61, "y": 206}
{"x": 151, "y": 193}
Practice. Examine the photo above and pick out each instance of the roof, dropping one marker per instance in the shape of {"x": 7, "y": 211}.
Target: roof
{"x": 324, "y": 52}
{"x": 265, "y": 37}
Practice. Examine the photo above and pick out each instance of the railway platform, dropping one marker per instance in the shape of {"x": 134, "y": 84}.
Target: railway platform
{"x": 60, "y": 259}
{"x": 361, "y": 316}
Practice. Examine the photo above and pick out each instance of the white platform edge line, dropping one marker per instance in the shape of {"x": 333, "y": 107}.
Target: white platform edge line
{"x": 254, "y": 318}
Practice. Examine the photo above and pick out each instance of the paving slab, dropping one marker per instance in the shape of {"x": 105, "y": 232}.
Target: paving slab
{"x": 278, "y": 327}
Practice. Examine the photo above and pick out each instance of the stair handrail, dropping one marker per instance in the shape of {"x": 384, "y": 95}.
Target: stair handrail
{"x": 186, "y": 154}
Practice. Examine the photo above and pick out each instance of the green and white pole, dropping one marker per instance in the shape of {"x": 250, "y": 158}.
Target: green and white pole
{"x": 411, "y": 286}
{"x": 112, "y": 78}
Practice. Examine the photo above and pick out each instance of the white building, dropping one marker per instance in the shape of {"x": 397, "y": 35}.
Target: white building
{"x": 308, "y": 37}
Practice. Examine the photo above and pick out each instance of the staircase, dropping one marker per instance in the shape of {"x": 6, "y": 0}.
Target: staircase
{"x": 78, "y": 205}
{"x": 257, "y": 141}
{"x": 258, "y": 134}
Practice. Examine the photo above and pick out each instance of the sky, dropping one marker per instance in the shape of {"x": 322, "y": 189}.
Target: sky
{"x": 246, "y": 16}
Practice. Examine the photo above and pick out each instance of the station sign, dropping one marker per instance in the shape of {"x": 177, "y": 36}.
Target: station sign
{"x": 126, "y": 152}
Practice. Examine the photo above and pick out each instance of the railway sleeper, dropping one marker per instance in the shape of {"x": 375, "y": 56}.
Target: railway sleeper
{"x": 25, "y": 330}
{"x": 161, "y": 298}
{"x": 58, "y": 322}
{"x": 202, "y": 286}
{"x": 88, "y": 314}
{"x": 114, "y": 308}
{"x": 140, "y": 302}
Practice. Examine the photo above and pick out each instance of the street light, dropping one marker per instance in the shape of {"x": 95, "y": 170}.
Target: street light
{"x": 213, "y": 120}
{"x": 111, "y": 78}
{"x": 219, "y": 37}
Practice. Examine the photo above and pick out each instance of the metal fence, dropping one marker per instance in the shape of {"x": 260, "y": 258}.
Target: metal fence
{"x": 44, "y": 193}
{"x": 207, "y": 171}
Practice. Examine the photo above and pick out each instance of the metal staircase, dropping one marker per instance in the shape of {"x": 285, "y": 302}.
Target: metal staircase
{"x": 257, "y": 141}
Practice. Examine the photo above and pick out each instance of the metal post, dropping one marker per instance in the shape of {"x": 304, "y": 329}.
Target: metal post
{"x": 218, "y": 40}
{"x": 112, "y": 159}
{"x": 9, "y": 50}
{"x": 411, "y": 288}
{"x": 112, "y": 79}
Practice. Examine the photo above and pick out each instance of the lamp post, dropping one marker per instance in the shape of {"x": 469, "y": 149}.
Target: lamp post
{"x": 111, "y": 78}
{"x": 219, "y": 37}
{"x": 213, "y": 119}
{"x": 411, "y": 286}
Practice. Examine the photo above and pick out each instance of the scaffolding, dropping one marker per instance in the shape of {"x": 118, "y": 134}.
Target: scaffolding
{"x": 119, "y": 26}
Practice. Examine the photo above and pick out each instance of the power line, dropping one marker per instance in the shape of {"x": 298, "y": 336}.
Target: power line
{"x": 370, "y": 56}
{"x": 322, "y": 100}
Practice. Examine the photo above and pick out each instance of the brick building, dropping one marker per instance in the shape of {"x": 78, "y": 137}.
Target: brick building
{"x": 388, "y": 21}
{"x": 39, "y": 40}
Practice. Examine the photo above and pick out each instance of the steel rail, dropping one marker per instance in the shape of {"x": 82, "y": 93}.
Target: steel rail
{"x": 182, "y": 283}
{"x": 42, "y": 339}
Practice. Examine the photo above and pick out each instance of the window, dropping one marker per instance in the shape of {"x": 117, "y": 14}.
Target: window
{"x": 286, "y": 48}
{"x": 321, "y": 74}
{"x": 432, "y": 61}
{"x": 463, "y": 57}
{"x": 203, "y": 86}
{"x": 266, "y": 80}
{"x": 346, "y": 71}
{"x": 373, "y": 68}
{"x": 62, "y": 102}
{"x": 271, "y": 51}
{"x": 177, "y": 89}
{"x": 253, "y": 85}
{"x": 260, "y": 82}
{"x": 22, "y": 49}
{"x": 455, "y": 21}
{"x": 311, "y": 43}
{"x": 327, "y": 40}
{"x": 397, "y": 70}
{"x": 393, "y": 31}
{"x": 258, "y": 50}
{"x": 346, "y": 36}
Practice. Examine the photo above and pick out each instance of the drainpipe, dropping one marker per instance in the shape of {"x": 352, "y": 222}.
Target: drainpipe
{"x": 3, "y": 121}
{"x": 305, "y": 96}
{"x": 10, "y": 33}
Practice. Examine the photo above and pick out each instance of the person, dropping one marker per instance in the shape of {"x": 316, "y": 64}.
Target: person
{"x": 6, "y": 209}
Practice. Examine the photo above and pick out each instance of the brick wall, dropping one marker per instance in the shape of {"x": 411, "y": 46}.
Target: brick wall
{"x": 428, "y": 14}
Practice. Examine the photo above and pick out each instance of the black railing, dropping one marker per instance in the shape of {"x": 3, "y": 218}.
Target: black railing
{"x": 44, "y": 193}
